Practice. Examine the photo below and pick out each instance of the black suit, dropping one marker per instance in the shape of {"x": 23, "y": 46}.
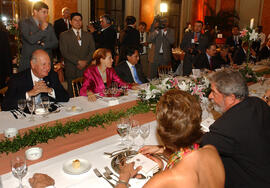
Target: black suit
{"x": 123, "y": 71}
{"x": 230, "y": 41}
{"x": 264, "y": 53}
{"x": 242, "y": 136}
{"x": 59, "y": 27}
{"x": 201, "y": 62}
{"x": 128, "y": 37}
{"x": 106, "y": 39}
{"x": 22, "y": 82}
{"x": 240, "y": 56}
{"x": 5, "y": 58}
{"x": 187, "y": 44}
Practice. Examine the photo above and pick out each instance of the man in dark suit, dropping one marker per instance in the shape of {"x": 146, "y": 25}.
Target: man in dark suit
{"x": 36, "y": 33}
{"x": 130, "y": 36}
{"x": 36, "y": 81}
{"x": 106, "y": 38}
{"x": 206, "y": 60}
{"x": 265, "y": 52}
{"x": 240, "y": 54}
{"x": 5, "y": 59}
{"x": 234, "y": 42}
{"x": 242, "y": 134}
{"x": 77, "y": 48}
{"x": 61, "y": 25}
{"x": 193, "y": 43}
{"x": 130, "y": 71}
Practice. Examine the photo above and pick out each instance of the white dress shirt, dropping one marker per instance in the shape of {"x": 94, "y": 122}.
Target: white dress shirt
{"x": 36, "y": 79}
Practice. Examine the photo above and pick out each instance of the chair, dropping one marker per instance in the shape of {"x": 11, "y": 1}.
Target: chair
{"x": 3, "y": 91}
{"x": 76, "y": 86}
{"x": 164, "y": 69}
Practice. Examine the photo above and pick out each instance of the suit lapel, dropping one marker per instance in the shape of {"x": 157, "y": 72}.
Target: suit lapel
{"x": 129, "y": 74}
{"x": 74, "y": 38}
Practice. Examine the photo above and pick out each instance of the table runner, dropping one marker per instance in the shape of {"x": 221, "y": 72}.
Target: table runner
{"x": 61, "y": 145}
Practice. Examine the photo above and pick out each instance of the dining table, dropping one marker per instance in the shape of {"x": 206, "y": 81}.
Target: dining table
{"x": 89, "y": 144}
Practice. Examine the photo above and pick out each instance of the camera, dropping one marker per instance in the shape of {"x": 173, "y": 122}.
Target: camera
{"x": 162, "y": 22}
{"x": 96, "y": 25}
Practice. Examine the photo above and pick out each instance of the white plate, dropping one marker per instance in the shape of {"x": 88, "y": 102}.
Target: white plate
{"x": 74, "y": 109}
{"x": 85, "y": 166}
{"x": 33, "y": 153}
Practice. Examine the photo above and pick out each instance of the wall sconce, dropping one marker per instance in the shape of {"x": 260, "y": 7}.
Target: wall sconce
{"x": 163, "y": 8}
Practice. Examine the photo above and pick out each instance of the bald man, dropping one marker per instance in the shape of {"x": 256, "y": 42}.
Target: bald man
{"x": 36, "y": 81}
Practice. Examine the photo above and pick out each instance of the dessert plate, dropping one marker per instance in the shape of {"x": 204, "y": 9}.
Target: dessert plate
{"x": 85, "y": 166}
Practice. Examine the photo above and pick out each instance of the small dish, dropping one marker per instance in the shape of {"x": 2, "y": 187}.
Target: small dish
{"x": 10, "y": 132}
{"x": 74, "y": 109}
{"x": 40, "y": 111}
{"x": 85, "y": 166}
{"x": 34, "y": 153}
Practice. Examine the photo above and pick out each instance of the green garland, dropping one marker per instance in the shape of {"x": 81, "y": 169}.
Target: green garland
{"x": 44, "y": 133}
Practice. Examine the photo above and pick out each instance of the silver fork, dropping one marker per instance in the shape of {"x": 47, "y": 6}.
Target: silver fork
{"x": 98, "y": 174}
{"x": 110, "y": 172}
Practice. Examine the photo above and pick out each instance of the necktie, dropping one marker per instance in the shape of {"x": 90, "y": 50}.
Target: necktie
{"x": 196, "y": 37}
{"x": 78, "y": 35}
{"x": 136, "y": 75}
{"x": 211, "y": 63}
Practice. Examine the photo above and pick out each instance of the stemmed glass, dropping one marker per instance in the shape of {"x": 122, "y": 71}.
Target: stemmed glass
{"x": 45, "y": 100}
{"x": 114, "y": 88}
{"x": 134, "y": 131}
{"x": 21, "y": 105}
{"x": 123, "y": 127}
{"x": 19, "y": 168}
{"x": 106, "y": 92}
{"x": 31, "y": 107}
{"x": 144, "y": 132}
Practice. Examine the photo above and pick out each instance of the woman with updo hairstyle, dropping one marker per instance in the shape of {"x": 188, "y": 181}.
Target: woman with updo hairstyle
{"x": 178, "y": 116}
{"x": 101, "y": 75}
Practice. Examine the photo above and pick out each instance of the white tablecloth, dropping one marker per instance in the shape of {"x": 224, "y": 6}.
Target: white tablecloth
{"x": 93, "y": 153}
{"x": 7, "y": 120}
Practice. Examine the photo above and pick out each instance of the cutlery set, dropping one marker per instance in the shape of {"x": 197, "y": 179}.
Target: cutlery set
{"x": 17, "y": 113}
{"x": 106, "y": 175}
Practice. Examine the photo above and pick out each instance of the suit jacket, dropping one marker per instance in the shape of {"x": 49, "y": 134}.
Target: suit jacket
{"x": 242, "y": 136}
{"x": 60, "y": 26}
{"x": 240, "y": 56}
{"x": 22, "y": 82}
{"x": 231, "y": 43}
{"x": 264, "y": 53}
{"x": 107, "y": 39}
{"x": 73, "y": 52}
{"x": 123, "y": 71}
{"x": 158, "y": 39}
{"x": 31, "y": 35}
{"x": 5, "y": 58}
{"x": 187, "y": 44}
{"x": 201, "y": 62}
{"x": 93, "y": 80}
{"x": 128, "y": 37}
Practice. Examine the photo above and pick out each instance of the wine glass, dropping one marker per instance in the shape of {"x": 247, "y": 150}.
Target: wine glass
{"x": 123, "y": 129}
{"x": 45, "y": 101}
{"x": 114, "y": 88}
{"x": 21, "y": 105}
{"x": 134, "y": 131}
{"x": 19, "y": 168}
{"x": 106, "y": 92}
{"x": 144, "y": 132}
{"x": 31, "y": 107}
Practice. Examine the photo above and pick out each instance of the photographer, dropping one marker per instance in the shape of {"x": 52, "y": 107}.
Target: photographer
{"x": 193, "y": 43}
{"x": 162, "y": 39}
{"x": 104, "y": 33}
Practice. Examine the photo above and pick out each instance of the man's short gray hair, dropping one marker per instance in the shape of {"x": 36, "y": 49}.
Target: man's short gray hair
{"x": 230, "y": 82}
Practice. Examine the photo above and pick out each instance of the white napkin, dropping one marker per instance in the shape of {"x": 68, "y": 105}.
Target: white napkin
{"x": 149, "y": 167}
{"x": 205, "y": 124}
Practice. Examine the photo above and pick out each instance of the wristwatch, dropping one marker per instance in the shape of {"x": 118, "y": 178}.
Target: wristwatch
{"x": 123, "y": 182}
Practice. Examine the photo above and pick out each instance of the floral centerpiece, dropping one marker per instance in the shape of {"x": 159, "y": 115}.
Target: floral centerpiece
{"x": 248, "y": 35}
{"x": 248, "y": 74}
{"x": 200, "y": 87}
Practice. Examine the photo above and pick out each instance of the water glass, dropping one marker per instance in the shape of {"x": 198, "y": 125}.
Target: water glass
{"x": 144, "y": 132}
{"x": 123, "y": 127}
{"x": 19, "y": 168}
{"x": 31, "y": 107}
{"x": 21, "y": 105}
{"x": 134, "y": 131}
{"x": 45, "y": 100}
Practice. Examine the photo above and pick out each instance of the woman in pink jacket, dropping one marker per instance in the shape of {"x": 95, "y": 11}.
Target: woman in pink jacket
{"x": 101, "y": 75}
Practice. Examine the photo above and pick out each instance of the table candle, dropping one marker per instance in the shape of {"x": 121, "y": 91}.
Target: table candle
{"x": 251, "y": 23}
